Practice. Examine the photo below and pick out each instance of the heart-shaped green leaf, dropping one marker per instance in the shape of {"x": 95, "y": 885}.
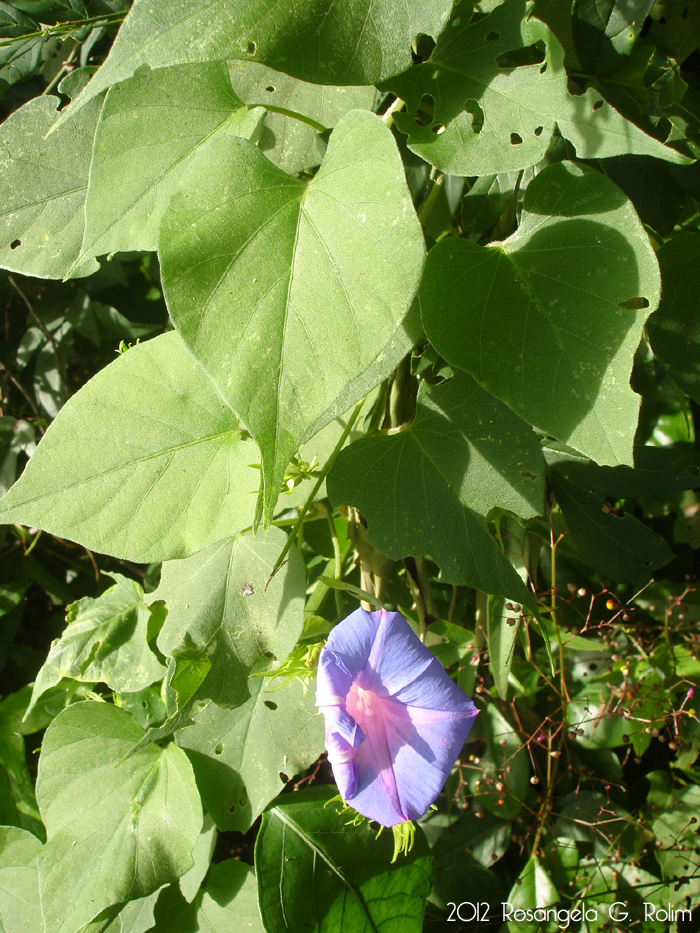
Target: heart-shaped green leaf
{"x": 139, "y": 463}
{"x": 149, "y": 130}
{"x": 221, "y": 612}
{"x": 320, "y": 41}
{"x": 549, "y": 320}
{"x": 117, "y": 830}
{"x": 428, "y": 489}
{"x": 260, "y": 273}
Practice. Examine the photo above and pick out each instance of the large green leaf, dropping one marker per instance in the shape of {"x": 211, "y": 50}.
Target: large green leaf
{"x": 674, "y": 330}
{"x": 43, "y": 184}
{"x": 242, "y": 757}
{"x": 141, "y": 462}
{"x": 428, "y": 489}
{"x": 221, "y": 618}
{"x": 105, "y": 641}
{"x": 621, "y": 547}
{"x": 149, "y": 130}
{"x": 605, "y": 31}
{"x": 229, "y": 902}
{"x": 117, "y": 830}
{"x": 316, "y": 40}
{"x": 19, "y": 881}
{"x": 487, "y": 105}
{"x": 318, "y": 872}
{"x": 252, "y": 261}
{"x": 297, "y": 112}
{"x": 549, "y": 320}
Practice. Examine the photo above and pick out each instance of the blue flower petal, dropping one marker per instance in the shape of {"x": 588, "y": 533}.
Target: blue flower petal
{"x": 397, "y": 657}
{"x": 351, "y": 640}
{"x": 395, "y": 722}
{"x": 433, "y": 689}
{"x": 333, "y": 679}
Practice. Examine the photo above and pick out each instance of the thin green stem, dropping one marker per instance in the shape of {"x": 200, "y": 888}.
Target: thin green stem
{"x": 317, "y": 485}
{"x": 60, "y": 29}
{"x": 63, "y": 70}
{"x": 338, "y": 561}
{"x": 319, "y": 127}
{"x": 388, "y": 117}
{"x": 429, "y": 201}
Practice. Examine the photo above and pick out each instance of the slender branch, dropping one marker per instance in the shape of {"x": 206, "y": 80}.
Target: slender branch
{"x": 47, "y": 333}
{"x": 60, "y": 29}
{"x": 18, "y": 385}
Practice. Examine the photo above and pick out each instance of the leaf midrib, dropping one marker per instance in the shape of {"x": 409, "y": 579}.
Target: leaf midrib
{"x": 317, "y": 850}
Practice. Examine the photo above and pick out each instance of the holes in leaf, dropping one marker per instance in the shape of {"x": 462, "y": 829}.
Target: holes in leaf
{"x": 598, "y": 104}
{"x": 232, "y": 808}
{"x": 526, "y": 474}
{"x": 283, "y": 777}
{"x": 219, "y": 749}
{"x": 422, "y": 48}
{"x": 633, "y": 304}
{"x": 15, "y": 243}
{"x": 515, "y": 139}
{"x": 425, "y": 110}
{"x": 270, "y": 704}
{"x": 519, "y": 58}
{"x": 270, "y": 89}
{"x": 477, "y": 114}
{"x": 492, "y": 36}
{"x": 243, "y": 797}
{"x": 538, "y": 130}
{"x": 593, "y": 666}
{"x": 252, "y": 48}
{"x": 439, "y": 129}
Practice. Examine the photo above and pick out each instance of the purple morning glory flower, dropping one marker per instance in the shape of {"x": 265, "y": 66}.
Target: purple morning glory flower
{"x": 395, "y": 721}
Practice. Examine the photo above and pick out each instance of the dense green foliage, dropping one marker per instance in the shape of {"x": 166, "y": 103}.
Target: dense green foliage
{"x": 309, "y": 302}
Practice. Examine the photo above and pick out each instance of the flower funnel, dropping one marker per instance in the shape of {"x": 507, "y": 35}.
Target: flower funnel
{"x": 395, "y": 721}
